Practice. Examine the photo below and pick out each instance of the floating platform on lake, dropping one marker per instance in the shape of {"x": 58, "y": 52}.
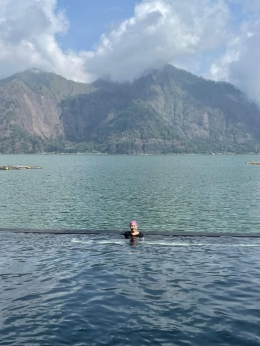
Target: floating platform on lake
{"x": 8, "y": 168}
{"x": 253, "y": 163}
{"x": 120, "y": 233}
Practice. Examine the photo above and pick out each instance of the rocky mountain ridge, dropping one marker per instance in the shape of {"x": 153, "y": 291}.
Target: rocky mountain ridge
{"x": 166, "y": 110}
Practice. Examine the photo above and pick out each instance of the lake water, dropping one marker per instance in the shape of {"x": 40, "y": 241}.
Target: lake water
{"x": 100, "y": 290}
{"x": 164, "y": 193}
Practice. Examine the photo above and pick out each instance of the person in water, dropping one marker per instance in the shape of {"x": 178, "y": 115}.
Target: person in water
{"x": 133, "y": 233}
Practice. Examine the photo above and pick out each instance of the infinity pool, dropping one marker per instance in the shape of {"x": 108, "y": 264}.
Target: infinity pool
{"x": 96, "y": 290}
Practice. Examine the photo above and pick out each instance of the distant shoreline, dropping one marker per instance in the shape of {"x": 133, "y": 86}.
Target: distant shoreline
{"x": 133, "y": 154}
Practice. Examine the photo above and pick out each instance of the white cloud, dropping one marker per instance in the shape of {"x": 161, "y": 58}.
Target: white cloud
{"x": 160, "y": 32}
{"x": 244, "y": 72}
{"x": 27, "y": 39}
{"x": 240, "y": 64}
{"x": 180, "y": 32}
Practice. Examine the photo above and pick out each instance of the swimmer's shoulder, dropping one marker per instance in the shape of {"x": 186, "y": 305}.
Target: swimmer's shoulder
{"x": 127, "y": 234}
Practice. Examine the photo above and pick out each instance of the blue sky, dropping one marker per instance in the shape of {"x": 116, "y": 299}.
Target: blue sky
{"x": 89, "y": 19}
{"x": 83, "y": 40}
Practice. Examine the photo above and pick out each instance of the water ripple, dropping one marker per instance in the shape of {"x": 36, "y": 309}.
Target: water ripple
{"x": 83, "y": 290}
{"x": 165, "y": 193}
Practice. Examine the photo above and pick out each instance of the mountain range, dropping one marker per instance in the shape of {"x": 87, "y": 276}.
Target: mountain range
{"x": 168, "y": 110}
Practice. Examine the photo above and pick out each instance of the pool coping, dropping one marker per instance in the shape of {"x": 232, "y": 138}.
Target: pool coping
{"x": 121, "y": 232}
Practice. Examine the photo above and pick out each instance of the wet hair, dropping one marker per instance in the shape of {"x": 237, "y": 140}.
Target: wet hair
{"x": 134, "y": 222}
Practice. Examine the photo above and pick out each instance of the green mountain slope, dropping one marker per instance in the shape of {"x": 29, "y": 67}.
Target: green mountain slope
{"x": 30, "y": 109}
{"x": 166, "y": 110}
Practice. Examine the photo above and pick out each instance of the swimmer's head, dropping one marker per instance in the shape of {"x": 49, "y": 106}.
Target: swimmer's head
{"x": 133, "y": 225}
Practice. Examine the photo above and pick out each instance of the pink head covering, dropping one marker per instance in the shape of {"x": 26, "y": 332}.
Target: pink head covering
{"x": 134, "y": 223}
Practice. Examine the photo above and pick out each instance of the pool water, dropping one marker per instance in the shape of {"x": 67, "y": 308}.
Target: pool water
{"x": 91, "y": 290}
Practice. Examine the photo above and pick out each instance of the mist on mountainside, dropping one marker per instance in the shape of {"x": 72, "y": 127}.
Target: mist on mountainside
{"x": 167, "y": 110}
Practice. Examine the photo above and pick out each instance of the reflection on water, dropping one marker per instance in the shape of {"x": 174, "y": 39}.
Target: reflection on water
{"x": 67, "y": 290}
{"x": 133, "y": 242}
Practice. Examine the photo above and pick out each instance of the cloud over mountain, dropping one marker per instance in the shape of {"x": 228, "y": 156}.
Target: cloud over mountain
{"x": 215, "y": 38}
{"x": 160, "y": 32}
{"x": 239, "y": 63}
{"x": 28, "y": 32}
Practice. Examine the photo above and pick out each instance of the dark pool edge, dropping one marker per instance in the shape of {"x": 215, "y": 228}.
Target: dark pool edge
{"x": 150, "y": 233}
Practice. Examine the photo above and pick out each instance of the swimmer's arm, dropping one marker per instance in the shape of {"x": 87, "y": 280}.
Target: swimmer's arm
{"x": 127, "y": 235}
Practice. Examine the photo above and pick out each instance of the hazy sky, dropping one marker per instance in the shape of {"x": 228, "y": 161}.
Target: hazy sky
{"x": 86, "y": 39}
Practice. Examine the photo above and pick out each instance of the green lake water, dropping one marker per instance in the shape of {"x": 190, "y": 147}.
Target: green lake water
{"x": 217, "y": 193}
